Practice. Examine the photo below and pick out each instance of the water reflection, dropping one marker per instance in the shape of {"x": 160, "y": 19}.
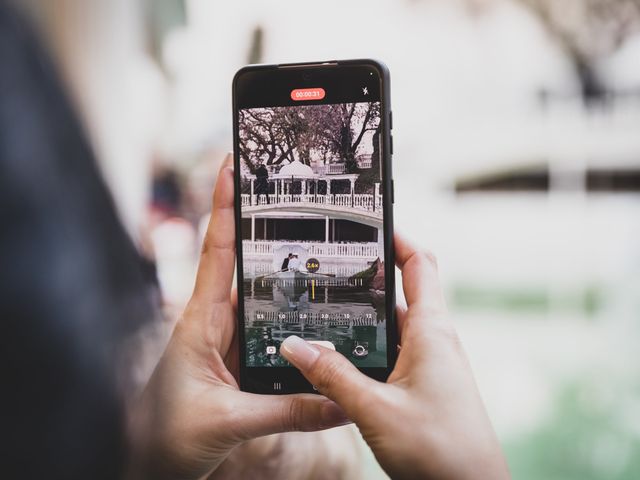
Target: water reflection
{"x": 338, "y": 310}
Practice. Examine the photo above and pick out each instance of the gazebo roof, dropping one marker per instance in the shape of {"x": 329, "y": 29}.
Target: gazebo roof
{"x": 296, "y": 169}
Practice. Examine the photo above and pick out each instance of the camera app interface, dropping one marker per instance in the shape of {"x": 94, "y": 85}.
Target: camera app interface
{"x": 312, "y": 230}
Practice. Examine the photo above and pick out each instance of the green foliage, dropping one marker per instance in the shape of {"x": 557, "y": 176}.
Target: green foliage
{"x": 582, "y": 439}
{"x": 534, "y": 300}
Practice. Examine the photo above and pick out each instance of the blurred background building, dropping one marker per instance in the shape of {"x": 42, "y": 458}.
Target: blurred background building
{"x": 517, "y": 139}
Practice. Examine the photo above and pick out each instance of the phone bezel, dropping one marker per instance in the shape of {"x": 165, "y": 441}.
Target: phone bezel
{"x": 340, "y": 74}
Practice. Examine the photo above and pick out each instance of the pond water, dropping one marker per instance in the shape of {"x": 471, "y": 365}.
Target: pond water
{"x": 351, "y": 317}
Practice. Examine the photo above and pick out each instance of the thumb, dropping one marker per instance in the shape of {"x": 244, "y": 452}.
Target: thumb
{"x": 332, "y": 374}
{"x": 269, "y": 414}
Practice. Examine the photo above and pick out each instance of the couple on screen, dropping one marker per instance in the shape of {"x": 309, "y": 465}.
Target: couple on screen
{"x": 290, "y": 262}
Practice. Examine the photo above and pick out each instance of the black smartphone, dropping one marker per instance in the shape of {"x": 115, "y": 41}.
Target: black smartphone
{"x": 314, "y": 219}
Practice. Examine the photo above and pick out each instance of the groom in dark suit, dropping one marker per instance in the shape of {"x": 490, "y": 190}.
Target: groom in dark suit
{"x": 285, "y": 262}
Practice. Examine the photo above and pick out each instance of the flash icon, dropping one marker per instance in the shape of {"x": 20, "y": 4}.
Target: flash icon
{"x": 365, "y": 91}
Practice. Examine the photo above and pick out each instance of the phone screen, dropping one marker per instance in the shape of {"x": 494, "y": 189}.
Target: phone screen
{"x": 312, "y": 220}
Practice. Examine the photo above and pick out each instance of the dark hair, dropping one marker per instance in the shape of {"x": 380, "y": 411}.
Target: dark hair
{"x": 72, "y": 285}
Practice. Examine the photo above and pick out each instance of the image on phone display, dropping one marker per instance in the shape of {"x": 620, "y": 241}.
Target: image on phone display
{"x": 311, "y": 191}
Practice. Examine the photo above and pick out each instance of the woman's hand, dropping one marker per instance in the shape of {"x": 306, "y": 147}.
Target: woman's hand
{"x": 428, "y": 420}
{"x": 192, "y": 413}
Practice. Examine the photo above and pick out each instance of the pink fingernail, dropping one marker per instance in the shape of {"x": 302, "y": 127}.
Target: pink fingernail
{"x": 302, "y": 354}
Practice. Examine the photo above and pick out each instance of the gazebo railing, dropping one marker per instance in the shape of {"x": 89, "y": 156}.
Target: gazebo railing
{"x": 360, "y": 201}
{"x": 364, "y": 160}
{"x": 367, "y": 250}
{"x": 330, "y": 169}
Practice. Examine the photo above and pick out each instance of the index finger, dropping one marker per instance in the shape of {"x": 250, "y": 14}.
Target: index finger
{"x": 420, "y": 280}
{"x": 217, "y": 260}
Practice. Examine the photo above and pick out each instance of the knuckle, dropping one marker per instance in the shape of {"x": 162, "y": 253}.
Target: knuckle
{"x": 294, "y": 415}
{"x": 434, "y": 314}
{"x": 424, "y": 257}
{"x": 448, "y": 332}
{"x": 226, "y": 408}
{"x": 182, "y": 328}
{"x": 212, "y": 243}
{"x": 208, "y": 242}
{"x": 445, "y": 333}
{"x": 205, "y": 247}
{"x": 433, "y": 323}
{"x": 430, "y": 258}
{"x": 375, "y": 394}
{"x": 328, "y": 372}
{"x": 430, "y": 313}
{"x": 193, "y": 313}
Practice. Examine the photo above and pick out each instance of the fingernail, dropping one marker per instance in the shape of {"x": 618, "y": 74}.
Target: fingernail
{"x": 299, "y": 352}
{"x": 332, "y": 415}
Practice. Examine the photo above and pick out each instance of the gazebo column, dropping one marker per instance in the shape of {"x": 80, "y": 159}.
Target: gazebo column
{"x": 353, "y": 183}
{"x": 275, "y": 186}
{"x": 328, "y": 187}
{"x": 251, "y": 197}
{"x": 253, "y": 228}
{"x": 376, "y": 192}
{"x": 326, "y": 229}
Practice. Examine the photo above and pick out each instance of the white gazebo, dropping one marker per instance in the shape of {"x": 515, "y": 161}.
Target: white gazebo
{"x": 297, "y": 171}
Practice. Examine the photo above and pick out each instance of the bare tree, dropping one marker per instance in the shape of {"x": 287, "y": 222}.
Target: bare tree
{"x": 293, "y": 129}
{"x": 587, "y": 30}
{"x": 258, "y": 142}
{"x": 344, "y": 126}
{"x": 269, "y": 135}
{"x": 272, "y": 135}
